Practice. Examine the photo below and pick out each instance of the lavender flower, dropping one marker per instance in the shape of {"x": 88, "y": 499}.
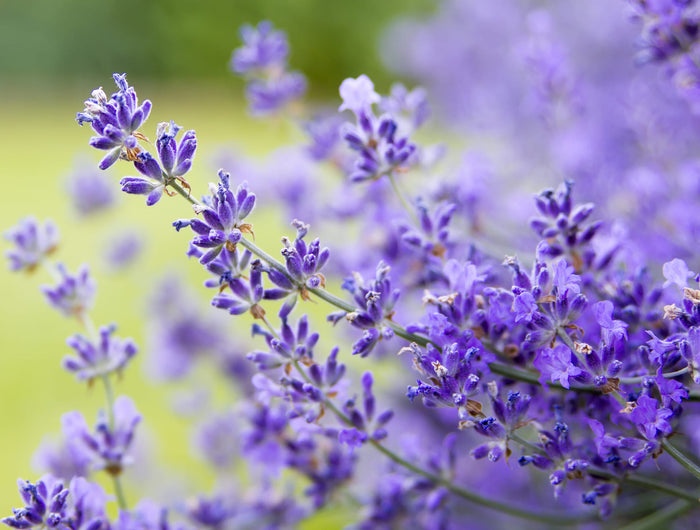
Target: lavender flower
{"x": 303, "y": 264}
{"x": 32, "y": 243}
{"x": 123, "y": 249}
{"x": 89, "y": 191}
{"x": 48, "y": 504}
{"x": 288, "y": 347}
{"x": 562, "y": 224}
{"x": 175, "y": 161}
{"x": 263, "y": 61}
{"x": 649, "y": 419}
{"x": 222, "y": 219}
{"x": 99, "y": 359}
{"x": 108, "y": 445}
{"x": 116, "y": 121}
{"x": 72, "y": 295}
{"x": 375, "y": 302}
{"x": 45, "y": 504}
{"x": 381, "y": 150}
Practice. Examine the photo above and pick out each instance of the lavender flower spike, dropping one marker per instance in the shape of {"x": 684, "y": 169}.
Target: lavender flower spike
{"x": 32, "y": 243}
{"x": 222, "y": 223}
{"x": 175, "y": 161}
{"x": 92, "y": 360}
{"x": 45, "y": 505}
{"x": 263, "y": 61}
{"x": 108, "y": 446}
{"x": 116, "y": 121}
{"x": 73, "y": 295}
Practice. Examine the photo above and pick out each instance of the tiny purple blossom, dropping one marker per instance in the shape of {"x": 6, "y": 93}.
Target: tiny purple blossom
{"x": 96, "y": 359}
{"x": 32, "y": 243}
{"x": 72, "y": 295}
{"x": 555, "y": 364}
{"x": 649, "y": 420}
{"x": 677, "y": 273}
{"x": 108, "y": 445}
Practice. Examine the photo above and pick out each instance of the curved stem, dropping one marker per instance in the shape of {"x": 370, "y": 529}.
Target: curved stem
{"x": 91, "y": 330}
{"x": 680, "y": 457}
{"x": 402, "y": 199}
{"x": 644, "y": 482}
{"x": 661, "y": 518}
{"x": 450, "y": 486}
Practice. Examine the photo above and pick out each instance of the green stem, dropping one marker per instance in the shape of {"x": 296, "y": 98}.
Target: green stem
{"x": 447, "y": 484}
{"x": 636, "y": 480}
{"x": 402, "y": 199}
{"x": 644, "y": 482}
{"x": 680, "y": 457}
{"x": 661, "y": 518}
{"x": 109, "y": 395}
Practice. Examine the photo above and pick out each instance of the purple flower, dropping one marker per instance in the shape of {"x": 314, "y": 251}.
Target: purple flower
{"x": 45, "y": 505}
{"x": 222, "y": 219}
{"x": 690, "y": 350}
{"x": 215, "y": 439}
{"x": 555, "y": 364}
{"x": 671, "y": 390}
{"x": 92, "y": 360}
{"x": 64, "y": 459}
{"x": 410, "y": 108}
{"x": 610, "y": 329}
{"x": 263, "y": 47}
{"x": 375, "y": 301}
{"x": 562, "y": 225}
{"x": 108, "y": 445}
{"x": 287, "y": 347}
{"x": 116, "y": 121}
{"x": 268, "y": 95}
{"x": 677, "y": 273}
{"x": 358, "y": 94}
{"x": 649, "y": 419}
{"x": 123, "y": 249}
{"x": 352, "y": 437}
{"x": 32, "y": 243}
{"x": 72, "y": 295}
{"x": 263, "y": 61}
{"x": 89, "y": 191}
{"x": 382, "y": 148}
{"x": 48, "y": 504}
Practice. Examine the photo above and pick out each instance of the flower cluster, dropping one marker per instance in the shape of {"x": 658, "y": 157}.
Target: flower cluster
{"x": 382, "y": 147}
{"x": 571, "y": 356}
{"x": 262, "y": 59}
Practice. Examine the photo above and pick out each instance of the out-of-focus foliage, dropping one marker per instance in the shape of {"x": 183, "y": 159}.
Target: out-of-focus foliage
{"x": 185, "y": 39}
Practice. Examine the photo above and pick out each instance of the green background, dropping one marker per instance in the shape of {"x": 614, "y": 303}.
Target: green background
{"x": 176, "y": 54}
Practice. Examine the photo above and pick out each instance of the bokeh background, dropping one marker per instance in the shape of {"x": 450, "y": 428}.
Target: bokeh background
{"x": 176, "y": 53}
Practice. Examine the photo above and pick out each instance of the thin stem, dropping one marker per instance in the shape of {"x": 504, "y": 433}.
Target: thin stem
{"x": 680, "y": 457}
{"x": 661, "y": 518}
{"x": 402, "y": 199}
{"x": 640, "y": 378}
{"x": 644, "y": 482}
{"x": 595, "y": 472}
{"x": 453, "y": 488}
{"x": 269, "y": 327}
{"x": 109, "y": 395}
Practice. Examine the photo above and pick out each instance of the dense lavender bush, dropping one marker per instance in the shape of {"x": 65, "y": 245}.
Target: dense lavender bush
{"x": 522, "y": 358}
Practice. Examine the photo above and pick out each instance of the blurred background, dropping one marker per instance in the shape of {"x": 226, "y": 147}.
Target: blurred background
{"x": 176, "y": 53}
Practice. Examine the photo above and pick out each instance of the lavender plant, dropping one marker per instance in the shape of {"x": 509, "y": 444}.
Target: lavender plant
{"x": 555, "y": 387}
